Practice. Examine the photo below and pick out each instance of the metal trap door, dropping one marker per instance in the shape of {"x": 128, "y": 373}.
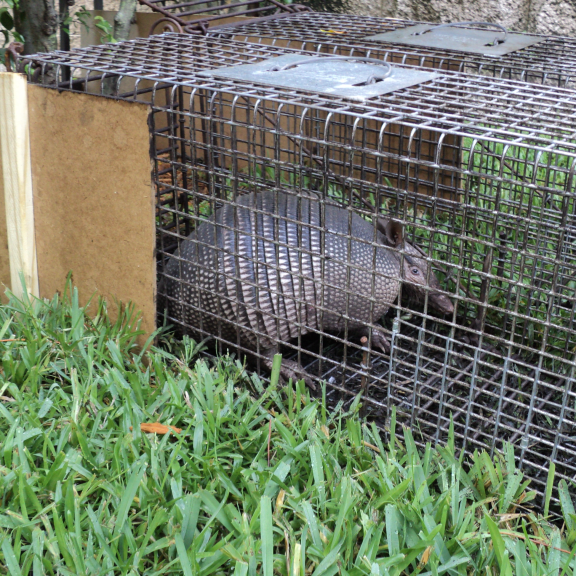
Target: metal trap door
{"x": 353, "y": 77}
{"x": 496, "y": 41}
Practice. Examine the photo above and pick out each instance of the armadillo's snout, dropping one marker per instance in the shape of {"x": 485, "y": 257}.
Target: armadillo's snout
{"x": 441, "y": 303}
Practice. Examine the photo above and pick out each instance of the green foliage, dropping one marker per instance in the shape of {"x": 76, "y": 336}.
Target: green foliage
{"x": 83, "y": 17}
{"x": 259, "y": 481}
{"x": 105, "y": 28}
{"x": 9, "y": 13}
{"x": 509, "y": 224}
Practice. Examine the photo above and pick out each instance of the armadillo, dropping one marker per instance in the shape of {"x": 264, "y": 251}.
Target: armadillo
{"x": 277, "y": 266}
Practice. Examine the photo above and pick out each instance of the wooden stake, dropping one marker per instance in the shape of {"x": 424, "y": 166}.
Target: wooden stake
{"x": 16, "y": 167}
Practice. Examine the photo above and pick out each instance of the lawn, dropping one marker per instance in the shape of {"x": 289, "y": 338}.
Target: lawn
{"x": 113, "y": 462}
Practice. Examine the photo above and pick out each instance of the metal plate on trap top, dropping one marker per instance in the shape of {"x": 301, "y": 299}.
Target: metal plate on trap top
{"x": 345, "y": 78}
{"x": 457, "y": 38}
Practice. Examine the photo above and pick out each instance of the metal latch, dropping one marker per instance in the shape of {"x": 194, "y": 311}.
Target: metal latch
{"x": 460, "y": 36}
{"x": 354, "y": 77}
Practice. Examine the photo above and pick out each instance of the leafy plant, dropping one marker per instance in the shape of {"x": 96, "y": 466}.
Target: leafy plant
{"x": 84, "y": 16}
{"x": 106, "y": 28}
{"x": 9, "y": 11}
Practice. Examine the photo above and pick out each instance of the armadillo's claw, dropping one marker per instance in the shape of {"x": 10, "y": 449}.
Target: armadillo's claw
{"x": 378, "y": 339}
{"x": 290, "y": 369}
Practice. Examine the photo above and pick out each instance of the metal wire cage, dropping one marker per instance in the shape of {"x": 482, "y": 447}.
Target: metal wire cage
{"x": 472, "y": 49}
{"x": 480, "y": 173}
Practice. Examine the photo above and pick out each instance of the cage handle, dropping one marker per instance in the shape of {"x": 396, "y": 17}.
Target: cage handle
{"x": 314, "y": 59}
{"x": 459, "y": 24}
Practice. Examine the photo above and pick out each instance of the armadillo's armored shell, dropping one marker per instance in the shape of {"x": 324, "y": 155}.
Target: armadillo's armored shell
{"x": 267, "y": 269}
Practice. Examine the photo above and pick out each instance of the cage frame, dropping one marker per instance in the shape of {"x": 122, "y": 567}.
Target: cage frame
{"x": 432, "y": 396}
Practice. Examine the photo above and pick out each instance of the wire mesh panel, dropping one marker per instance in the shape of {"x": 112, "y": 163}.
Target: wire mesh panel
{"x": 357, "y": 238}
{"x": 551, "y": 60}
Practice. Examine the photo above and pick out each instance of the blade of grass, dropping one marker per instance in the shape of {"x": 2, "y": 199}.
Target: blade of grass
{"x": 10, "y": 559}
{"x": 128, "y": 497}
{"x": 183, "y": 556}
{"x": 549, "y": 487}
{"x": 267, "y": 535}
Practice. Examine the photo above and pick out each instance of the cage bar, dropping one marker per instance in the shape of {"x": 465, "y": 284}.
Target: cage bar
{"x": 196, "y": 16}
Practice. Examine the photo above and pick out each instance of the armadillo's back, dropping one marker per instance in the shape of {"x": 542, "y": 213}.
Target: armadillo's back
{"x": 267, "y": 270}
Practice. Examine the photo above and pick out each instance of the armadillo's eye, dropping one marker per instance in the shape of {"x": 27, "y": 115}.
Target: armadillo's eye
{"x": 415, "y": 271}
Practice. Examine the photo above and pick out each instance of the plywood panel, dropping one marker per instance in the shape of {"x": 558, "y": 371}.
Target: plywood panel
{"x": 93, "y": 199}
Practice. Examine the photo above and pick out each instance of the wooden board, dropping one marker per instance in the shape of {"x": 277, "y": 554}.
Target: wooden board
{"x": 93, "y": 198}
{"x": 17, "y": 183}
{"x": 4, "y": 258}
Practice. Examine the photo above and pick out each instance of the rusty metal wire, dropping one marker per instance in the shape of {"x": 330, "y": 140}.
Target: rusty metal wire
{"x": 479, "y": 170}
{"x": 551, "y": 62}
{"x": 195, "y": 16}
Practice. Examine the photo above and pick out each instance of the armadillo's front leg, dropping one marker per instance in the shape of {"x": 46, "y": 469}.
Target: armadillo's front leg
{"x": 378, "y": 338}
{"x": 288, "y": 369}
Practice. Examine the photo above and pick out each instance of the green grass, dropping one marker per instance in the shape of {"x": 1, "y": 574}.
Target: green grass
{"x": 512, "y": 229}
{"x": 261, "y": 480}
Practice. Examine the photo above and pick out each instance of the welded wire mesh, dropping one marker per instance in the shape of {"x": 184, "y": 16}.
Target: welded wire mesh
{"x": 552, "y": 61}
{"x": 480, "y": 173}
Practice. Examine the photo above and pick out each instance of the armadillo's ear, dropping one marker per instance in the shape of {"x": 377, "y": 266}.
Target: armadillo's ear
{"x": 391, "y": 229}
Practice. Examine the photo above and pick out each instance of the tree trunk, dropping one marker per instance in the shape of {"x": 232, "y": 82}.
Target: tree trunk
{"x": 123, "y": 19}
{"x": 122, "y": 22}
{"x": 39, "y": 26}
